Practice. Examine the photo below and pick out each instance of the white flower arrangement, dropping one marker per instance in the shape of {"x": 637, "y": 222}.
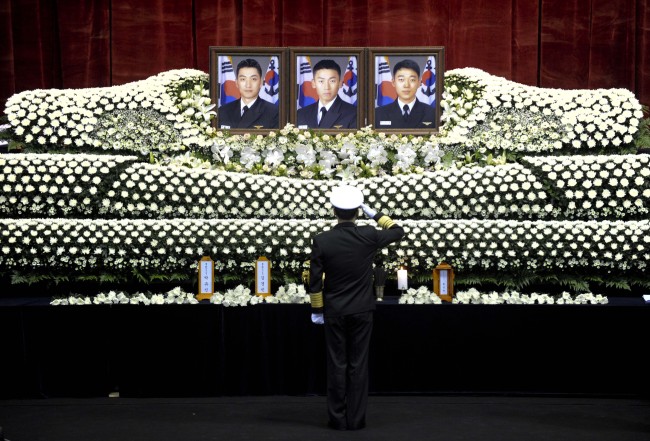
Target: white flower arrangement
{"x": 473, "y": 296}
{"x": 55, "y": 185}
{"x": 174, "y": 296}
{"x": 487, "y": 112}
{"x": 295, "y": 294}
{"x": 419, "y": 296}
{"x": 242, "y": 296}
{"x": 291, "y": 293}
{"x": 236, "y": 197}
{"x": 155, "y": 191}
{"x": 169, "y": 111}
{"x": 72, "y": 300}
{"x": 308, "y": 155}
{"x": 238, "y": 296}
{"x": 583, "y": 187}
{"x": 612, "y": 186}
{"x": 168, "y": 246}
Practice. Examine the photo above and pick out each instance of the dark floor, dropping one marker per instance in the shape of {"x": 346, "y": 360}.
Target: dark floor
{"x": 285, "y": 418}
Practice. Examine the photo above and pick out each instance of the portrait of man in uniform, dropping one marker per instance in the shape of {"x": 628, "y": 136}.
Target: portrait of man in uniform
{"x": 407, "y": 90}
{"x": 406, "y": 111}
{"x": 330, "y": 110}
{"x": 327, "y": 92}
{"x": 250, "y": 110}
{"x": 247, "y": 87}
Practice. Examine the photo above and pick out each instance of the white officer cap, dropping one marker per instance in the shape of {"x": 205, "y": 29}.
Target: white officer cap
{"x": 346, "y": 197}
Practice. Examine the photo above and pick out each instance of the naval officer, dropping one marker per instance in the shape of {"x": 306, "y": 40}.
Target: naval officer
{"x": 341, "y": 292}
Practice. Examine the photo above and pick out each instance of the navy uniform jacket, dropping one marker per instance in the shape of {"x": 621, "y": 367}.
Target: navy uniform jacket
{"x": 345, "y": 255}
{"x": 263, "y": 114}
{"x": 421, "y": 114}
{"x": 340, "y": 114}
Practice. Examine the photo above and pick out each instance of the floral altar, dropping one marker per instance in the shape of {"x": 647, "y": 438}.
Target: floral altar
{"x": 521, "y": 186}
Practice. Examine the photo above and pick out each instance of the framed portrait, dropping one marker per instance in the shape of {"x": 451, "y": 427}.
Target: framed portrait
{"x": 406, "y": 85}
{"x": 328, "y": 88}
{"x": 248, "y": 86}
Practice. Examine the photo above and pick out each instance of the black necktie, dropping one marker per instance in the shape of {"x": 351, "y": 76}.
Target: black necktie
{"x": 244, "y": 110}
{"x": 406, "y": 111}
{"x": 323, "y": 111}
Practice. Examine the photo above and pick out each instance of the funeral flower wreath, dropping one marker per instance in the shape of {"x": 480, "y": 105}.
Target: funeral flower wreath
{"x": 520, "y": 181}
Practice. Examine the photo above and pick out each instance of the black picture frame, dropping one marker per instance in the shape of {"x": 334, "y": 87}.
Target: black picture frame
{"x": 267, "y": 57}
{"x": 298, "y": 56}
{"x": 386, "y": 120}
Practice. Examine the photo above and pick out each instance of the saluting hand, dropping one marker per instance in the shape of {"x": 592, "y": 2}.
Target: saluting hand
{"x": 369, "y": 212}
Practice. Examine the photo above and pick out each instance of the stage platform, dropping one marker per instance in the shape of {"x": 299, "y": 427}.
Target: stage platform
{"x": 209, "y": 350}
{"x": 389, "y": 418}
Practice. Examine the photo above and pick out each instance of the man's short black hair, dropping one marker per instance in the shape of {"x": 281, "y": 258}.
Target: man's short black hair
{"x": 249, "y": 62}
{"x": 346, "y": 215}
{"x": 327, "y": 64}
{"x": 407, "y": 64}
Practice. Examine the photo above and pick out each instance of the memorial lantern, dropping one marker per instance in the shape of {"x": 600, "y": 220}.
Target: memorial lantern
{"x": 206, "y": 278}
{"x": 443, "y": 281}
{"x": 262, "y": 277}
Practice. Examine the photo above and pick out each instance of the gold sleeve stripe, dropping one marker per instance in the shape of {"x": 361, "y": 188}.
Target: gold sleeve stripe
{"x": 385, "y": 222}
{"x": 316, "y": 300}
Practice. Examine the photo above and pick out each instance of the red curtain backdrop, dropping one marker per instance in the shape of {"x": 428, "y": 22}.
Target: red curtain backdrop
{"x": 549, "y": 43}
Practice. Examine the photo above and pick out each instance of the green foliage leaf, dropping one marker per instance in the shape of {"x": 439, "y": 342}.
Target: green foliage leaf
{"x": 642, "y": 136}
